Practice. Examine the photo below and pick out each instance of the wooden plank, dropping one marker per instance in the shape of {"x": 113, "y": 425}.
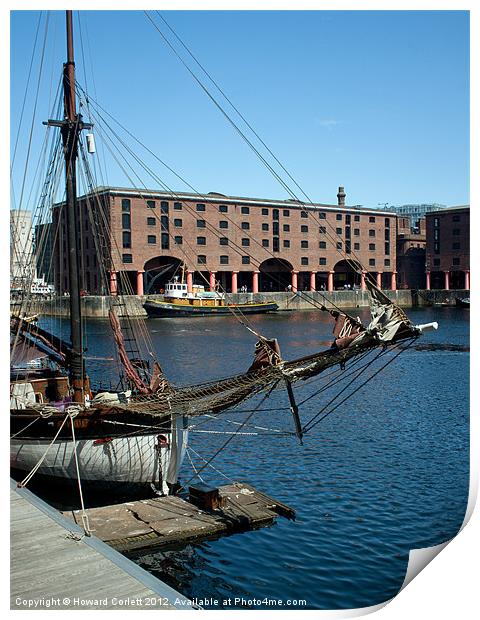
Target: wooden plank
{"x": 112, "y": 522}
{"x": 171, "y": 520}
{"x": 279, "y": 507}
{"x": 48, "y": 563}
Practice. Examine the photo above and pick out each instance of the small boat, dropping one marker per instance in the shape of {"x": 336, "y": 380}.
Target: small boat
{"x": 462, "y": 303}
{"x": 179, "y": 301}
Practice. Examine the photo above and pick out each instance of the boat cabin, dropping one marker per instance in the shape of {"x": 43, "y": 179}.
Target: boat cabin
{"x": 176, "y": 290}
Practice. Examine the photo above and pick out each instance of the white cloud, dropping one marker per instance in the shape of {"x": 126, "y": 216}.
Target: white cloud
{"x": 328, "y": 123}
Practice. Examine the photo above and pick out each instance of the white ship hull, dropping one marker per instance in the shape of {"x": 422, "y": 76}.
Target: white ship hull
{"x": 118, "y": 462}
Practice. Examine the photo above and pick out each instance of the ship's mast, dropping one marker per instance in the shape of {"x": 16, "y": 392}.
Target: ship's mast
{"x": 70, "y": 128}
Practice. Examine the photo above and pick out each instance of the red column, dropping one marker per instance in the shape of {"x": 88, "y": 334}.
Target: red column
{"x": 447, "y": 280}
{"x": 140, "y": 282}
{"x": 312, "y": 281}
{"x": 394, "y": 280}
{"x": 234, "y": 282}
{"x": 255, "y": 281}
{"x": 212, "y": 280}
{"x": 113, "y": 283}
{"x": 467, "y": 280}
{"x": 294, "y": 281}
{"x": 363, "y": 286}
{"x": 189, "y": 281}
{"x": 427, "y": 274}
{"x": 330, "y": 281}
{"x": 379, "y": 279}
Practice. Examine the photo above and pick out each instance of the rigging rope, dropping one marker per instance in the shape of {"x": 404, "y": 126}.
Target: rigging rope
{"x": 175, "y": 196}
{"x": 316, "y": 419}
{"x": 85, "y": 522}
{"x": 217, "y": 452}
{"x": 357, "y": 268}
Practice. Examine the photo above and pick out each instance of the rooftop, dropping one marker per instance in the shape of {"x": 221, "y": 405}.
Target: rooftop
{"x": 218, "y": 198}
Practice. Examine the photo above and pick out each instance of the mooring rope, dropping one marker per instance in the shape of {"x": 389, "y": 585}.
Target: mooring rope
{"x": 34, "y": 470}
{"x": 85, "y": 522}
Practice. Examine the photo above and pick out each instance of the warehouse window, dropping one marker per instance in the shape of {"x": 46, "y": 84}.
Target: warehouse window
{"x": 127, "y": 239}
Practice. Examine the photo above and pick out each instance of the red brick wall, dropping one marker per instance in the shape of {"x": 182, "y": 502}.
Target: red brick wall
{"x": 141, "y": 251}
{"x": 448, "y": 228}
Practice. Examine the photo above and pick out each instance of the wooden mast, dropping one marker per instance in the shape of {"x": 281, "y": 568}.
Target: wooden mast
{"x": 70, "y": 133}
{"x": 70, "y": 128}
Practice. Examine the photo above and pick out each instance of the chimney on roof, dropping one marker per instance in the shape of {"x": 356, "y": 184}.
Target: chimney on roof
{"x": 341, "y": 196}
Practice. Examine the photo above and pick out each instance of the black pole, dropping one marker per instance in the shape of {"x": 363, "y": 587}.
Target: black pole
{"x": 70, "y": 132}
{"x": 294, "y": 410}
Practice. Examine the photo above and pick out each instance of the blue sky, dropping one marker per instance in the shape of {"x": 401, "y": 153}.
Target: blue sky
{"x": 375, "y": 101}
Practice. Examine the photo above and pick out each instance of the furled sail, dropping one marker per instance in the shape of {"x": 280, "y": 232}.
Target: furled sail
{"x": 388, "y": 320}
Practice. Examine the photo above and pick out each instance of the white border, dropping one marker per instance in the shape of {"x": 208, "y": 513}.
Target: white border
{"x": 448, "y": 586}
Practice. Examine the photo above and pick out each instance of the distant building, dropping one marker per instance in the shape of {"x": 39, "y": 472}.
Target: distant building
{"x": 447, "y": 260}
{"x": 416, "y": 211}
{"x": 22, "y": 264}
{"x": 43, "y": 243}
{"x": 253, "y": 243}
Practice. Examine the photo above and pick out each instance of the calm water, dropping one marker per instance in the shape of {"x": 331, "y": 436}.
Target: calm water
{"x": 384, "y": 473}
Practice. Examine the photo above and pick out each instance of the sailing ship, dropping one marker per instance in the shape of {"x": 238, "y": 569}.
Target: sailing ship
{"x": 179, "y": 301}
{"x": 62, "y": 427}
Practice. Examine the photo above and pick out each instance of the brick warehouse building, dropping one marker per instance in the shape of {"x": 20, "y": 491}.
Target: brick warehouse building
{"x": 261, "y": 244}
{"x": 447, "y": 261}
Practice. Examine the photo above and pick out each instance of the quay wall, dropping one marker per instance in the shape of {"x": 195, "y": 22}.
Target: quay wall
{"x": 96, "y": 306}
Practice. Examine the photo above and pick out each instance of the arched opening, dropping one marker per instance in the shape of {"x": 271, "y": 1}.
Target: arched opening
{"x": 159, "y": 270}
{"x": 457, "y": 279}
{"x": 411, "y": 268}
{"x": 437, "y": 280}
{"x": 346, "y": 275}
{"x": 275, "y": 275}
